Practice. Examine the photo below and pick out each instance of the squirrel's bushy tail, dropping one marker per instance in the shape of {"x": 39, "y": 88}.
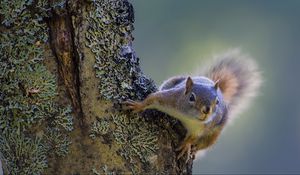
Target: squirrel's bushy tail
{"x": 239, "y": 78}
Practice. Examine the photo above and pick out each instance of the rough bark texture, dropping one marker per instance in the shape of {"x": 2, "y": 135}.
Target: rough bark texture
{"x": 65, "y": 68}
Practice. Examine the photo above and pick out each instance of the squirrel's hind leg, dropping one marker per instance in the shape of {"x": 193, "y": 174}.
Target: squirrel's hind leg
{"x": 185, "y": 147}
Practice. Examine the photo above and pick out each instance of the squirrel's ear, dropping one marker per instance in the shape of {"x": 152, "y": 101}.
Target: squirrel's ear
{"x": 188, "y": 85}
{"x": 217, "y": 83}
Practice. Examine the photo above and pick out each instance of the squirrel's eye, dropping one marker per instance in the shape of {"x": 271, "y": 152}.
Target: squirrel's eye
{"x": 192, "y": 97}
{"x": 217, "y": 101}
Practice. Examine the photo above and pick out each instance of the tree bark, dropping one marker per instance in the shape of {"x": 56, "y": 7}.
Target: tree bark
{"x": 66, "y": 66}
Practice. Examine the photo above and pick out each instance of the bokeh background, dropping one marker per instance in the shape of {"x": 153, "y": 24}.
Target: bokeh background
{"x": 174, "y": 37}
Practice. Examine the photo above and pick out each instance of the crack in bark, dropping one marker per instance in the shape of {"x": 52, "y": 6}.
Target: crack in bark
{"x": 76, "y": 60}
{"x": 62, "y": 44}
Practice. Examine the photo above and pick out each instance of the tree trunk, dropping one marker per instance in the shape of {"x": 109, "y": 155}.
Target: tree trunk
{"x": 65, "y": 67}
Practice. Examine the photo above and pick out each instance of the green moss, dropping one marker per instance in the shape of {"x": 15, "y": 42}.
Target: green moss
{"x": 60, "y": 118}
{"x": 103, "y": 171}
{"x": 57, "y": 143}
{"x": 116, "y": 65}
{"x": 22, "y": 155}
{"x": 15, "y": 12}
{"x": 109, "y": 37}
{"x": 137, "y": 137}
{"x": 33, "y": 124}
{"x": 100, "y": 127}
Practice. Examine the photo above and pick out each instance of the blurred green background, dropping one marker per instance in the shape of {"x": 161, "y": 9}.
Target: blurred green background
{"x": 174, "y": 37}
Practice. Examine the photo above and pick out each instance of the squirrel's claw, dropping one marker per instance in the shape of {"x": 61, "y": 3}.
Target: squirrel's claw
{"x": 184, "y": 148}
{"x": 133, "y": 105}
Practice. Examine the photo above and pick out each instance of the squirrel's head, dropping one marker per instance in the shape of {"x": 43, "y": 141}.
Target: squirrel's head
{"x": 202, "y": 97}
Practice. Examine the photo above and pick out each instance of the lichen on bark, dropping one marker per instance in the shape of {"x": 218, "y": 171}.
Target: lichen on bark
{"x": 29, "y": 110}
{"x": 109, "y": 36}
{"x": 65, "y": 67}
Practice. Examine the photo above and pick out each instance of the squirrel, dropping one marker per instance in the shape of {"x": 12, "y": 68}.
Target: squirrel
{"x": 204, "y": 104}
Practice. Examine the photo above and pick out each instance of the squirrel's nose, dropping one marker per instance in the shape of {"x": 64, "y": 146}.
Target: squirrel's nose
{"x": 205, "y": 109}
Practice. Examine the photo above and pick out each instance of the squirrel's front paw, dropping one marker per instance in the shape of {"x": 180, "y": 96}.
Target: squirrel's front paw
{"x": 133, "y": 105}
